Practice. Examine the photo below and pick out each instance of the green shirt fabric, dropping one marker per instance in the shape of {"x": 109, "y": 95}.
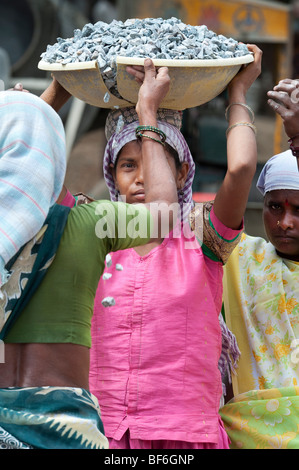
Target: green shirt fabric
{"x": 61, "y": 309}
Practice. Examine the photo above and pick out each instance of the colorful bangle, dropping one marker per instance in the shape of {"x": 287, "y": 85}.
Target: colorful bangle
{"x": 247, "y": 124}
{"x": 244, "y": 106}
{"x": 140, "y": 129}
{"x": 152, "y": 138}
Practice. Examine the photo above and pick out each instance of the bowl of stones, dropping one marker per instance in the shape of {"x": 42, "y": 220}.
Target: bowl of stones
{"x": 92, "y": 64}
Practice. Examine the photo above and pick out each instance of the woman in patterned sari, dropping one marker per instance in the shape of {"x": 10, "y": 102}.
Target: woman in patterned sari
{"x": 261, "y": 301}
{"x": 44, "y": 398}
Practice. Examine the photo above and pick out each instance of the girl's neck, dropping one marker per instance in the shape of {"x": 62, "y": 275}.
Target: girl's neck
{"x": 145, "y": 249}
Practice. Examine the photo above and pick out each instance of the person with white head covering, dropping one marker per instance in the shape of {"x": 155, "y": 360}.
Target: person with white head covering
{"x": 47, "y": 303}
{"x": 32, "y": 169}
{"x": 280, "y": 172}
{"x": 261, "y": 301}
{"x": 156, "y": 337}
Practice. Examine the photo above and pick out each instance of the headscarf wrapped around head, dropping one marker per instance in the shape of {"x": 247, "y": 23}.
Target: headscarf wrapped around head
{"x": 280, "y": 172}
{"x": 32, "y": 169}
{"x": 120, "y": 129}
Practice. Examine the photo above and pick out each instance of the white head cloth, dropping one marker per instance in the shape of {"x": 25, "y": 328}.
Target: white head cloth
{"x": 280, "y": 172}
{"x": 32, "y": 169}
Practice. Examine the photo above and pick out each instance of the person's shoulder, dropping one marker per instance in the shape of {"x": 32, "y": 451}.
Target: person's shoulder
{"x": 253, "y": 243}
{"x": 92, "y": 205}
{"x": 91, "y": 210}
{"x": 106, "y": 208}
{"x": 114, "y": 212}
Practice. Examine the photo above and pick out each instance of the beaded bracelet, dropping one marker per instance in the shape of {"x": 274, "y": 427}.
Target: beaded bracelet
{"x": 241, "y": 124}
{"x": 139, "y": 130}
{"x": 244, "y": 106}
{"x": 152, "y": 138}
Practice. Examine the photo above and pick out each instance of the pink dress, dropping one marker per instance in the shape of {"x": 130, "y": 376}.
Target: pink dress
{"x": 154, "y": 356}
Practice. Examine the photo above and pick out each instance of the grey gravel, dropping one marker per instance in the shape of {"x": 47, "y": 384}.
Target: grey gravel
{"x": 108, "y": 260}
{"x": 108, "y": 302}
{"x": 150, "y": 37}
{"x": 106, "y": 276}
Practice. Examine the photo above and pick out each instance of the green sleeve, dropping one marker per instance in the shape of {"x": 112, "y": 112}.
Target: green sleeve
{"x": 123, "y": 225}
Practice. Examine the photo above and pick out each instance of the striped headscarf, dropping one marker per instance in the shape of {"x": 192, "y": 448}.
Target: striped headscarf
{"x": 280, "y": 172}
{"x": 120, "y": 129}
{"x": 32, "y": 169}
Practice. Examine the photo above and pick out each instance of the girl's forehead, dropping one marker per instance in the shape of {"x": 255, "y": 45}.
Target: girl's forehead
{"x": 133, "y": 150}
{"x": 133, "y": 145}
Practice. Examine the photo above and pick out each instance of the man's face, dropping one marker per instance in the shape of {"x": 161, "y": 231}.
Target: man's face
{"x": 281, "y": 220}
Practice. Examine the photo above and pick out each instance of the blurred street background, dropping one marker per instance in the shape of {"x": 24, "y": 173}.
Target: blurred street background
{"x": 28, "y": 26}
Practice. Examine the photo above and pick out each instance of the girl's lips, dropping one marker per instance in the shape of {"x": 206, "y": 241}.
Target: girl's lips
{"x": 139, "y": 192}
{"x": 139, "y": 195}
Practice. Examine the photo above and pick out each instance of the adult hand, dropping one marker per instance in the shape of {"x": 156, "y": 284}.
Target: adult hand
{"x": 55, "y": 95}
{"x": 154, "y": 85}
{"x": 284, "y": 100}
{"x": 248, "y": 73}
{"x": 137, "y": 71}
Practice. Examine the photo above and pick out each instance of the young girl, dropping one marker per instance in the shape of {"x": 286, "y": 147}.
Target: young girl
{"x": 44, "y": 380}
{"x": 155, "y": 351}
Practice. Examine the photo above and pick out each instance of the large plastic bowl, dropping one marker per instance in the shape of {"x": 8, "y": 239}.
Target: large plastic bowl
{"x": 193, "y": 82}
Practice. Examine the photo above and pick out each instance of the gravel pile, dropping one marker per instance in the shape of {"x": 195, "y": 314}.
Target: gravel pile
{"x": 150, "y": 37}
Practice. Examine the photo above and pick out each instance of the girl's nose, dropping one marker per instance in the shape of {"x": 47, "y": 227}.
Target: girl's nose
{"x": 139, "y": 175}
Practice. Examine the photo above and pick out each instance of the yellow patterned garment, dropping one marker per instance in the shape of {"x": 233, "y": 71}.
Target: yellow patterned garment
{"x": 263, "y": 419}
{"x": 261, "y": 300}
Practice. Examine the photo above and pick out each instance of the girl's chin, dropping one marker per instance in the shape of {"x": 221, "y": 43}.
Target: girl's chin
{"x": 138, "y": 198}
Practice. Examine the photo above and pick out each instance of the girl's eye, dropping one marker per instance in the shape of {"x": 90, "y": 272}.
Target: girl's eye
{"x": 127, "y": 165}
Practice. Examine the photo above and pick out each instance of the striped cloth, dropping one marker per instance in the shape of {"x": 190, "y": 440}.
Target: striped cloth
{"x": 32, "y": 169}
